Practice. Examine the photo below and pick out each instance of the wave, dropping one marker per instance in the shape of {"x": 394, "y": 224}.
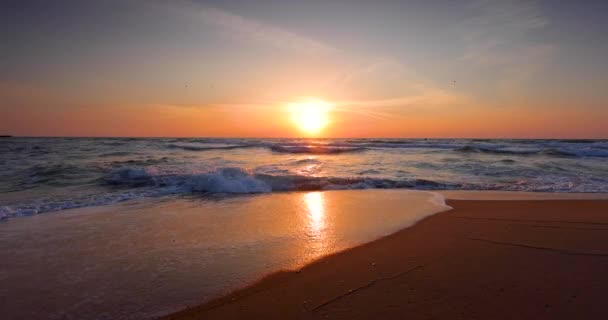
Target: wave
{"x": 369, "y": 171}
{"x": 599, "y": 153}
{"x": 560, "y": 148}
{"x": 577, "y": 140}
{"x": 132, "y": 176}
{"x": 141, "y": 182}
{"x": 51, "y": 205}
{"x": 477, "y": 149}
{"x": 381, "y": 141}
{"x": 116, "y": 154}
{"x": 90, "y": 172}
{"x": 307, "y": 161}
{"x": 279, "y": 148}
{"x": 238, "y": 180}
{"x": 52, "y": 174}
{"x": 132, "y": 182}
{"x": 314, "y": 149}
{"x": 311, "y": 148}
{"x": 206, "y": 148}
{"x": 140, "y": 162}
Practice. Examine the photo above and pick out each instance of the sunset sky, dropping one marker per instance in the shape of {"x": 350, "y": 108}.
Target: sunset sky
{"x": 480, "y": 68}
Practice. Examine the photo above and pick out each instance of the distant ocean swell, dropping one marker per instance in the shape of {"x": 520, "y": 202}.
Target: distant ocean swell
{"x": 542, "y": 151}
{"x": 558, "y": 148}
{"x": 289, "y": 148}
{"x": 552, "y": 149}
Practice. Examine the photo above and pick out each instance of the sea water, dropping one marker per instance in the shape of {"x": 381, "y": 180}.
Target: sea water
{"x": 40, "y": 175}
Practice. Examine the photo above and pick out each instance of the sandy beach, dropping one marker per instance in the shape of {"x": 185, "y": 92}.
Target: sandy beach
{"x": 347, "y": 254}
{"x": 490, "y": 259}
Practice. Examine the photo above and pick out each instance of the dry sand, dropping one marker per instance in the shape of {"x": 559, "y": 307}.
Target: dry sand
{"x": 483, "y": 260}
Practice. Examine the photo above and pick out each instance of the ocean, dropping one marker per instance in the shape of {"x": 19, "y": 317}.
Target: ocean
{"x": 126, "y": 228}
{"x": 42, "y": 175}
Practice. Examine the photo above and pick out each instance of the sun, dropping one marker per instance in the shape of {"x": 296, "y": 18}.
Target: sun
{"x": 311, "y": 116}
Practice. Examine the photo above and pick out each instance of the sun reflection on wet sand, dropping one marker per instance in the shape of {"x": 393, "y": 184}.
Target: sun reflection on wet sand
{"x": 317, "y": 222}
{"x": 315, "y": 202}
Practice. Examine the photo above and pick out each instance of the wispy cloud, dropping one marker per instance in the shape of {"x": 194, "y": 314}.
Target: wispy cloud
{"x": 509, "y": 18}
{"x": 256, "y": 30}
{"x": 423, "y": 99}
{"x": 396, "y": 87}
{"x": 498, "y": 34}
{"x": 371, "y": 66}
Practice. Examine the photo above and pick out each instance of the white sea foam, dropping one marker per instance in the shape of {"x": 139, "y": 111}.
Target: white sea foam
{"x": 228, "y": 180}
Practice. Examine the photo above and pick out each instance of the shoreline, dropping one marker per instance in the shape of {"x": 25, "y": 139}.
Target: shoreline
{"x": 490, "y": 195}
{"x": 370, "y": 279}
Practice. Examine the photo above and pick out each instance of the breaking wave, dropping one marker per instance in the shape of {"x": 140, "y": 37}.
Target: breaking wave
{"x": 228, "y": 180}
{"x": 238, "y": 180}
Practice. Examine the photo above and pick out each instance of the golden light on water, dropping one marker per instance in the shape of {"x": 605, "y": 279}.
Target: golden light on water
{"x": 315, "y": 203}
{"x": 310, "y": 116}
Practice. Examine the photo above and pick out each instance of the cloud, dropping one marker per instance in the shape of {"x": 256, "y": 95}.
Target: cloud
{"x": 497, "y": 34}
{"x": 424, "y": 99}
{"x": 509, "y": 18}
{"x": 257, "y": 30}
{"x": 501, "y": 37}
{"x": 385, "y": 85}
{"x": 371, "y": 67}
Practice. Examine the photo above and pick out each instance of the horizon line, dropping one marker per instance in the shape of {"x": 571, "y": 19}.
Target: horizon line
{"x": 236, "y": 137}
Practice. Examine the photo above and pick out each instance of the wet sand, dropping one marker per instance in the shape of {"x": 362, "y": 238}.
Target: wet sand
{"x": 145, "y": 259}
{"x": 490, "y": 259}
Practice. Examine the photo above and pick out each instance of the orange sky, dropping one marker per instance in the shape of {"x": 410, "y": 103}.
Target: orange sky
{"x": 462, "y": 68}
{"x": 179, "y": 121}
